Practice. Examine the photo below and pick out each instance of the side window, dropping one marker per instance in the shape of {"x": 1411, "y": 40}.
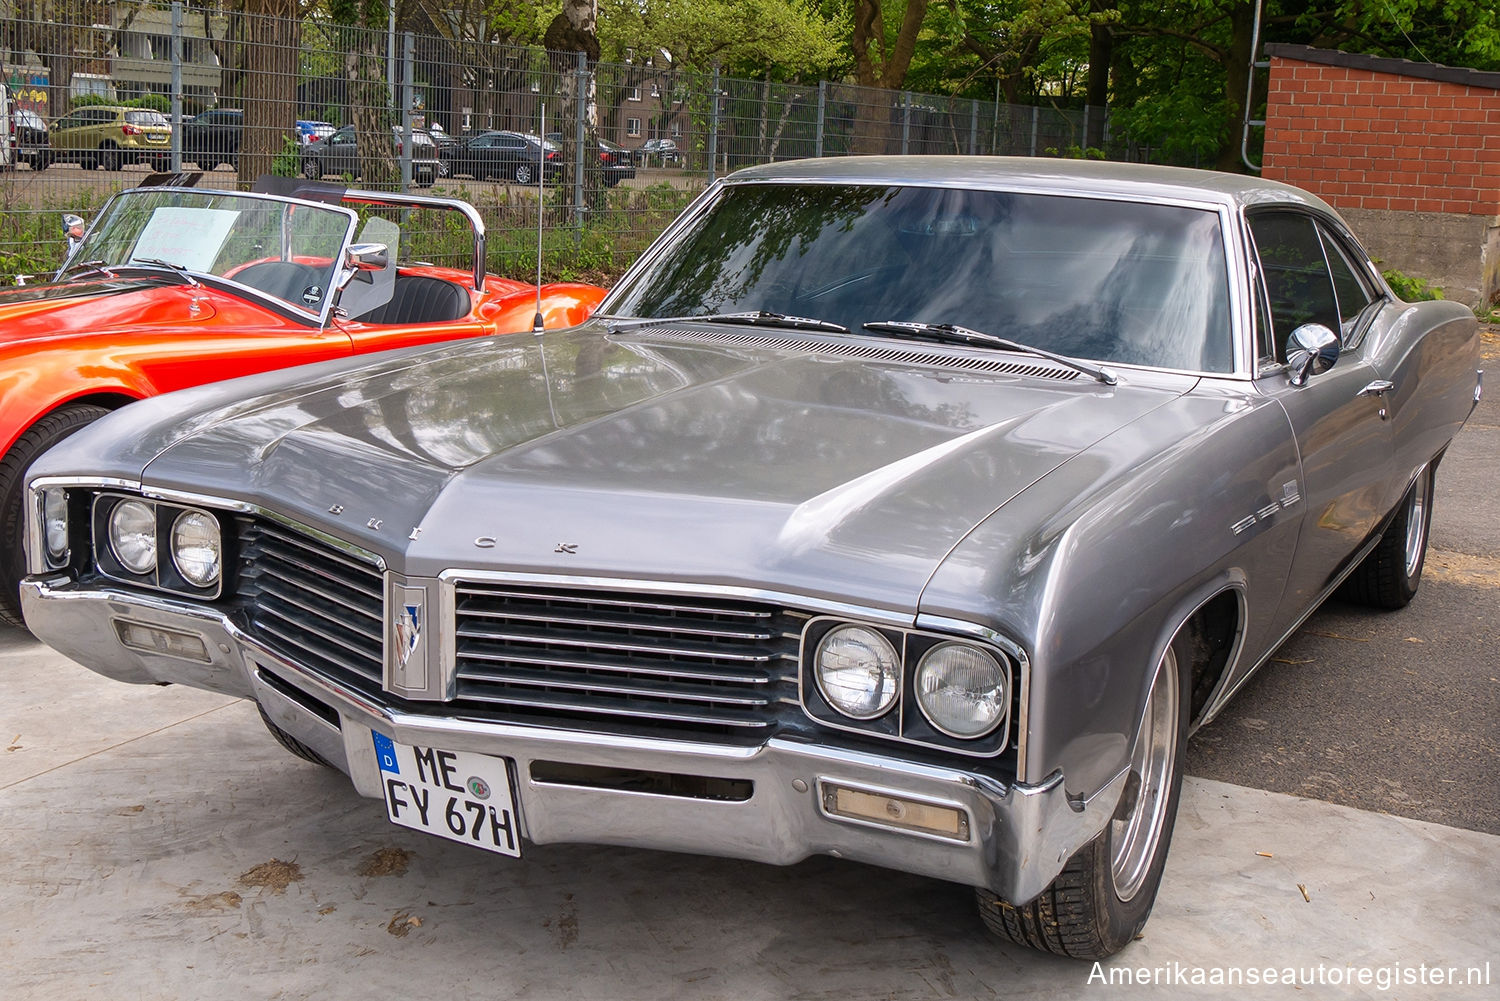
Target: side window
{"x": 1353, "y": 295}
{"x": 1295, "y": 271}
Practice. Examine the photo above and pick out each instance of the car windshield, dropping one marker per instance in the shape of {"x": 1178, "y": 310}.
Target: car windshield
{"x": 288, "y": 250}
{"x": 1114, "y": 281}
{"x": 146, "y": 118}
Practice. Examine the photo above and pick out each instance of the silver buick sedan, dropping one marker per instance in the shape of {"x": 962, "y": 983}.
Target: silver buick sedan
{"x": 912, "y": 511}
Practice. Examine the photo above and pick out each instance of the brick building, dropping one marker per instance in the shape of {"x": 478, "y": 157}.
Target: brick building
{"x": 1408, "y": 152}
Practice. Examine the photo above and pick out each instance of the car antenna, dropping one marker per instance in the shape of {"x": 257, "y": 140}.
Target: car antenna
{"x": 541, "y": 173}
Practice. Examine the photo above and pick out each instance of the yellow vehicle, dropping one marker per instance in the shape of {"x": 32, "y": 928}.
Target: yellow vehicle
{"x": 110, "y": 137}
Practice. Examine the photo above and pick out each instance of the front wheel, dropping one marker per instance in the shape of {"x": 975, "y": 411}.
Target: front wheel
{"x": 42, "y": 435}
{"x": 1100, "y": 901}
{"x": 524, "y": 174}
{"x": 1388, "y": 577}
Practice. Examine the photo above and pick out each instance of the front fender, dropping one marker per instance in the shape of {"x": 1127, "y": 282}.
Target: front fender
{"x": 1093, "y": 569}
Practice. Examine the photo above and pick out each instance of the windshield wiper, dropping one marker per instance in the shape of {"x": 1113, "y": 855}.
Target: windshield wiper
{"x": 158, "y": 262}
{"x": 753, "y": 318}
{"x": 949, "y": 333}
{"x": 91, "y": 266}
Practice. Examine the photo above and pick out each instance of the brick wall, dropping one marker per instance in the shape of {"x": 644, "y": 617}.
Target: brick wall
{"x": 1384, "y": 134}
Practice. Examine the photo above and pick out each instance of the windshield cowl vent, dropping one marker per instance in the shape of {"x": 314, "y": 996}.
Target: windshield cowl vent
{"x": 938, "y": 356}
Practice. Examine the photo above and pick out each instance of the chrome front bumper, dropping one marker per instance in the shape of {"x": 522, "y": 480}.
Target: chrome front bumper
{"x": 1014, "y": 839}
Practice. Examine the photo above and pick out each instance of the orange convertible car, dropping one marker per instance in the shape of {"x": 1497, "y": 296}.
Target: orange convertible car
{"x": 174, "y": 286}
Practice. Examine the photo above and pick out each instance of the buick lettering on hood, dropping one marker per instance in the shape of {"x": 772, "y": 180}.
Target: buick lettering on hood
{"x": 908, "y": 510}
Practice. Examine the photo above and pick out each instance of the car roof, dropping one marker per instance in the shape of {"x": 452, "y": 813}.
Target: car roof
{"x": 1121, "y": 180}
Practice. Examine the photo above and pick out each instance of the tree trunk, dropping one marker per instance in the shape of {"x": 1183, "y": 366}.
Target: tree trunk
{"x": 1101, "y": 47}
{"x": 1236, "y": 81}
{"x": 270, "y": 93}
{"x": 572, "y": 31}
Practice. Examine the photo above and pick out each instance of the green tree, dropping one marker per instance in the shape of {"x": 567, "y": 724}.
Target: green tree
{"x": 790, "y": 39}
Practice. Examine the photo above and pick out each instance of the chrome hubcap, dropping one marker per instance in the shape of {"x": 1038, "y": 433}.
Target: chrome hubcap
{"x": 1133, "y": 837}
{"x": 1416, "y": 523}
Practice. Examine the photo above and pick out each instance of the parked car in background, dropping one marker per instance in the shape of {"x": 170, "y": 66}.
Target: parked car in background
{"x": 111, "y": 137}
{"x": 309, "y": 130}
{"x": 909, "y": 510}
{"x": 659, "y": 151}
{"x": 213, "y": 138}
{"x": 30, "y": 140}
{"x": 338, "y": 153}
{"x": 513, "y": 156}
{"x": 440, "y": 135}
{"x": 173, "y": 287}
{"x": 618, "y": 163}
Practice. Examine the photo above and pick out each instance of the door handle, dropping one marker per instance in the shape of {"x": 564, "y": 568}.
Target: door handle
{"x": 1378, "y": 389}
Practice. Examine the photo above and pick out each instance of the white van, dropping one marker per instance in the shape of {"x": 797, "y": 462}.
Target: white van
{"x": 7, "y": 131}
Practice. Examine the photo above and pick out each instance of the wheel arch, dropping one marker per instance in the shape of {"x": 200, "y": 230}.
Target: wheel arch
{"x": 108, "y": 398}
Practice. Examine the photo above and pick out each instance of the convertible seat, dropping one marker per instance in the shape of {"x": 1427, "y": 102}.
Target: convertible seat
{"x": 286, "y": 280}
{"x": 419, "y": 299}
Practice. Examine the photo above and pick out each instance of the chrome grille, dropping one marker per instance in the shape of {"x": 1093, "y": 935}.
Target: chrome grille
{"x": 672, "y": 660}
{"x": 315, "y": 603}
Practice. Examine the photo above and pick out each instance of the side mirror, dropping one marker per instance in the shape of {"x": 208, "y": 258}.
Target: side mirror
{"x": 368, "y": 257}
{"x": 73, "y": 229}
{"x": 1311, "y": 350}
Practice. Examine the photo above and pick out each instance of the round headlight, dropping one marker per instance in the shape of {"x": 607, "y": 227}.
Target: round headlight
{"x": 858, "y": 671}
{"x": 132, "y": 535}
{"x": 55, "y": 518}
{"x": 196, "y": 549}
{"x": 962, "y": 690}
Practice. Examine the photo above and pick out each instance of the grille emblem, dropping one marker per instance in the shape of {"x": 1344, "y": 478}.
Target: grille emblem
{"x": 414, "y": 664}
{"x": 408, "y": 633}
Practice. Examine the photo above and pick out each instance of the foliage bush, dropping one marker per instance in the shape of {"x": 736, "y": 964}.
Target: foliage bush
{"x": 152, "y": 102}
{"x": 1410, "y": 289}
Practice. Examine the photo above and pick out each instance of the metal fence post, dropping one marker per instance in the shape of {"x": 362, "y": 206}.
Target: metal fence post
{"x": 822, "y": 110}
{"x": 176, "y": 85}
{"x": 408, "y": 65}
{"x": 905, "y": 121}
{"x": 973, "y": 126}
{"x": 1083, "y": 140}
{"x": 713, "y": 126}
{"x": 581, "y": 84}
{"x": 1034, "y": 113}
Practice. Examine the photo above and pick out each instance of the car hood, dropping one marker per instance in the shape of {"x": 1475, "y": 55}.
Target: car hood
{"x": 32, "y": 312}
{"x": 844, "y": 468}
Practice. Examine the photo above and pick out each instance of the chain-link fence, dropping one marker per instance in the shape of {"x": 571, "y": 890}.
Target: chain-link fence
{"x": 98, "y": 95}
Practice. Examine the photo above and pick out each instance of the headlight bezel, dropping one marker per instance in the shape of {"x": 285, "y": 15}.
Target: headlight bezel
{"x": 906, "y": 721}
{"x": 883, "y": 648}
{"x": 166, "y": 574}
{"x": 925, "y": 666}
{"x": 176, "y": 550}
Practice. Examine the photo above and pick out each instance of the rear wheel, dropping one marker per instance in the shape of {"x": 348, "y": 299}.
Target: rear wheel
{"x": 1101, "y": 899}
{"x": 110, "y": 158}
{"x": 524, "y": 174}
{"x": 312, "y": 169}
{"x": 1389, "y": 576}
{"x": 42, "y": 435}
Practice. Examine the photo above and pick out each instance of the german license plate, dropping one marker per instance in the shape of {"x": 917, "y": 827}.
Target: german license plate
{"x": 458, "y": 795}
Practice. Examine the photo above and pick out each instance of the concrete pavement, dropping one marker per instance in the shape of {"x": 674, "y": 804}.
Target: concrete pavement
{"x": 159, "y": 845}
